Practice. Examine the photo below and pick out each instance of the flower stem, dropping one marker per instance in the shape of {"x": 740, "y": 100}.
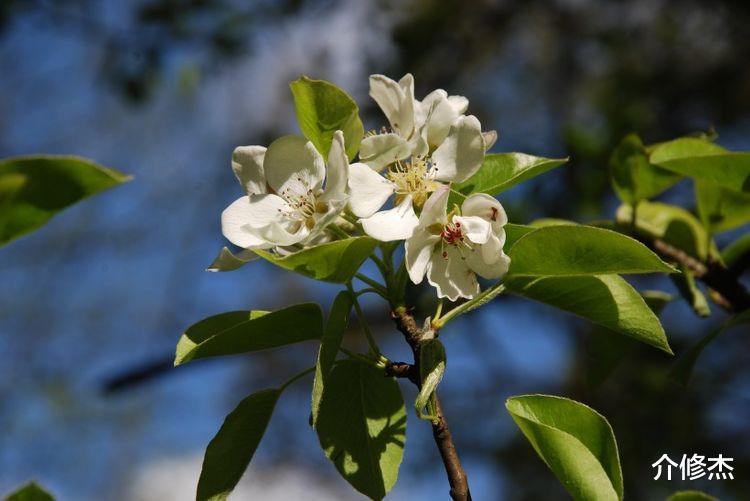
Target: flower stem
{"x": 296, "y": 378}
{"x": 484, "y": 297}
{"x": 372, "y": 283}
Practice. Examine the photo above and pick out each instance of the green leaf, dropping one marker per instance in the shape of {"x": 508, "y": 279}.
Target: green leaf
{"x": 513, "y": 232}
{"x": 501, "y": 171}
{"x": 606, "y": 300}
{"x": 606, "y": 348}
{"x": 330, "y": 343}
{"x": 34, "y": 189}
{"x": 322, "y": 109}
{"x": 335, "y": 262}
{"x": 734, "y": 253}
{"x": 431, "y": 369}
{"x": 30, "y": 492}
{"x": 670, "y": 223}
{"x": 581, "y": 250}
{"x": 691, "y": 496}
{"x": 721, "y": 209}
{"x": 247, "y": 331}
{"x": 362, "y": 425}
{"x": 576, "y": 442}
{"x": 701, "y": 159}
{"x": 689, "y": 290}
{"x": 682, "y": 370}
{"x": 231, "y": 450}
{"x": 633, "y": 177}
{"x": 228, "y": 261}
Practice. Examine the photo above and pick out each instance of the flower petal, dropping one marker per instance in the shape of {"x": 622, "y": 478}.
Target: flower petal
{"x": 475, "y": 228}
{"x": 486, "y": 207}
{"x": 247, "y": 164}
{"x": 337, "y": 172}
{"x": 490, "y": 137}
{"x": 462, "y": 152}
{"x": 450, "y": 274}
{"x": 393, "y": 224}
{"x": 368, "y": 190}
{"x": 396, "y": 100}
{"x": 382, "y": 149}
{"x": 292, "y": 165}
{"x": 433, "y": 211}
{"x": 418, "y": 249}
{"x": 459, "y": 104}
{"x": 489, "y": 260}
{"x": 235, "y": 223}
{"x": 441, "y": 116}
{"x": 283, "y": 233}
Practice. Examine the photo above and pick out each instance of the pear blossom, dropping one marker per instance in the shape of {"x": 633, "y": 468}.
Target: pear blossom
{"x": 452, "y": 249}
{"x": 291, "y": 194}
{"x": 431, "y": 142}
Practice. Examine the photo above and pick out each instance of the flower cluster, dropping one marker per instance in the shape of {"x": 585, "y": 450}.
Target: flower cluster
{"x": 398, "y": 190}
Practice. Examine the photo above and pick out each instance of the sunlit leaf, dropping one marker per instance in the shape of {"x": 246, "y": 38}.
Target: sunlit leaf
{"x": 232, "y": 448}
{"x": 247, "y": 331}
{"x": 674, "y": 225}
{"x": 606, "y": 300}
{"x": 721, "y": 209}
{"x": 336, "y": 261}
{"x": 322, "y": 109}
{"x": 501, "y": 171}
{"x": 330, "y": 343}
{"x": 361, "y": 426}
{"x": 33, "y": 189}
{"x": 576, "y": 442}
{"x": 581, "y": 250}
{"x": 691, "y": 496}
{"x": 701, "y": 159}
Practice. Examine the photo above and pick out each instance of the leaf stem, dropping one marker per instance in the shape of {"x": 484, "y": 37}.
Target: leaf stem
{"x": 296, "y": 378}
{"x": 372, "y": 283}
{"x": 363, "y": 322}
{"x": 484, "y": 297}
{"x": 338, "y": 232}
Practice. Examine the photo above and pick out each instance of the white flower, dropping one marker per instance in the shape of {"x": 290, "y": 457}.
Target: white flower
{"x": 432, "y": 143}
{"x": 452, "y": 249}
{"x": 291, "y": 194}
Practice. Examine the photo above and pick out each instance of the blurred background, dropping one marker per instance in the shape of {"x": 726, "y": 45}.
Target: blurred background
{"x": 92, "y": 305}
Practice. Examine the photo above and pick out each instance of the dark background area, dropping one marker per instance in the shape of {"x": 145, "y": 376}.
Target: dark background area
{"x": 165, "y": 89}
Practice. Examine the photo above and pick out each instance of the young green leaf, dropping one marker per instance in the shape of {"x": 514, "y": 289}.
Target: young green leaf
{"x": 606, "y": 300}
{"x": 734, "y": 253}
{"x": 581, "y": 250}
{"x": 329, "y": 347}
{"x": 701, "y": 159}
{"x": 322, "y": 109}
{"x": 721, "y": 209}
{"x": 228, "y": 261}
{"x": 633, "y": 177}
{"x": 691, "y": 293}
{"x": 247, "y": 331}
{"x": 335, "y": 261}
{"x": 691, "y": 496}
{"x": 501, "y": 171}
{"x": 232, "y": 448}
{"x": 431, "y": 370}
{"x": 576, "y": 442}
{"x": 670, "y": 223}
{"x": 30, "y": 492}
{"x": 361, "y": 426}
{"x": 34, "y": 189}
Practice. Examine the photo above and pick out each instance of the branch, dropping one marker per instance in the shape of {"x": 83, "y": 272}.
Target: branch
{"x": 414, "y": 335}
{"x": 732, "y": 295}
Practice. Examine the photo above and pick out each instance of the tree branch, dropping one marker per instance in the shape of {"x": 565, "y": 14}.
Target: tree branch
{"x": 414, "y": 336}
{"x": 732, "y": 295}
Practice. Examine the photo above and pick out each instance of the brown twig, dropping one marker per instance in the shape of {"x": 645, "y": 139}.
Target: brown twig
{"x": 731, "y": 294}
{"x": 414, "y": 335}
